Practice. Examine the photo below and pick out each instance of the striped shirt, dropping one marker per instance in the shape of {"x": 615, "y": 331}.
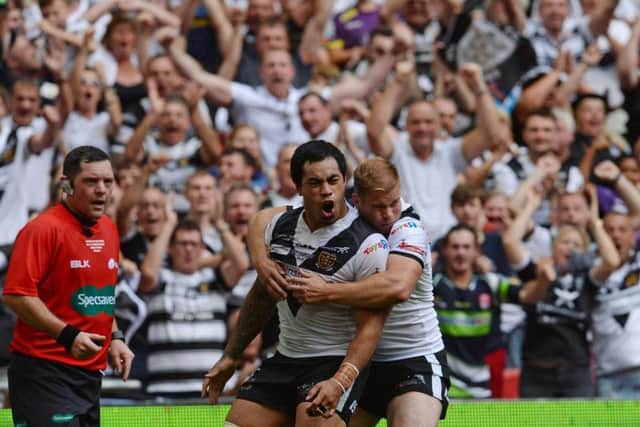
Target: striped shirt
{"x": 575, "y": 38}
{"x": 186, "y": 331}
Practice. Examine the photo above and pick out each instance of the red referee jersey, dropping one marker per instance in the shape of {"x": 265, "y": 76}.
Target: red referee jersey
{"x": 74, "y": 274}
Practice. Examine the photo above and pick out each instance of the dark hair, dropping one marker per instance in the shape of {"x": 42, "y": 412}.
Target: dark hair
{"x": 310, "y": 94}
{"x": 456, "y": 228}
{"x": 271, "y": 22}
{"x": 624, "y": 157}
{"x": 28, "y": 82}
{"x": 248, "y": 159}
{"x": 380, "y": 31}
{"x": 117, "y": 20}
{"x": 156, "y": 57}
{"x": 238, "y": 187}
{"x": 83, "y": 154}
{"x": 186, "y": 225}
{"x": 44, "y": 3}
{"x": 545, "y": 112}
{"x": 464, "y": 193}
{"x": 315, "y": 151}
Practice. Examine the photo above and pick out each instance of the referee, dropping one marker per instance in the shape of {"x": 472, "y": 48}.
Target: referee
{"x": 61, "y": 285}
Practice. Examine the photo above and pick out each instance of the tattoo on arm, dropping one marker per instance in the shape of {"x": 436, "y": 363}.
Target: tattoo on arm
{"x": 254, "y": 315}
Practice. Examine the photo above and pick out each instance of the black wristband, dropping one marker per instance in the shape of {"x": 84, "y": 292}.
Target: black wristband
{"x": 66, "y": 337}
{"x": 117, "y": 335}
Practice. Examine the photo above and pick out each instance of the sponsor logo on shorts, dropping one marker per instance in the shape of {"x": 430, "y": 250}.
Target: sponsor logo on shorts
{"x": 92, "y": 301}
{"x": 382, "y": 244}
{"x": 62, "y": 418}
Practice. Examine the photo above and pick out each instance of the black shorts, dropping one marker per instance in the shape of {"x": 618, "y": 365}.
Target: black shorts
{"x": 47, "y": 393}
{"x": 282, "y": 383}
{"x": 426, "y": 374}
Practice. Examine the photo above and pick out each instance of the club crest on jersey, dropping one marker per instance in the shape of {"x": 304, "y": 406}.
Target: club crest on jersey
{"x": 631, "y": 279}
{"x": 484, "y": 301}
{"x": 95, "y": 245}
{"x": 326, "y": 260}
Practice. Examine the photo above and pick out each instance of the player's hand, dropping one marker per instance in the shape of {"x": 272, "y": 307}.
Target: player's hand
{"x": 308, "y": 288}
{"x": 272, "y": 276}
{"x": 121, "y": 358}
{"x": 86, "y": 345}
{"x": 217, "y": 377}
{"x": 324, "y": 398}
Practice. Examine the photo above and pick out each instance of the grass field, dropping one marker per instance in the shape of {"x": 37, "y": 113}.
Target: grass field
{"x": 559, "y": 413}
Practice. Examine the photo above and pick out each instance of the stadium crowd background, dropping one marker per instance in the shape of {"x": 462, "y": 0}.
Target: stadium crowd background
{"x": 202, "y": 103}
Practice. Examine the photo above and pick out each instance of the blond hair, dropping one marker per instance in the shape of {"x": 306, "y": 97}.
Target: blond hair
{"x": 375, "y": 174}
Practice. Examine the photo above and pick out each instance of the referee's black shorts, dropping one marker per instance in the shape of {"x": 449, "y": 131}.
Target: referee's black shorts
{"x": 425, "y": 374}
{"x": 46, "y": 393}
{"x": 282, "y": 383}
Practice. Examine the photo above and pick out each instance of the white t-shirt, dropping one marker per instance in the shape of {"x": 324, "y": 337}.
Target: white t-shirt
{"x": 14, "y": 209}
{"x": 427, "y": 185}
{"x": 79, "y": 130}
{"x": 38, "y": 173}
{"x": 276, "y": 120}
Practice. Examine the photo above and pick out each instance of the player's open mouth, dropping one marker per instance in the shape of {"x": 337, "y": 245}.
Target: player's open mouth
{"x": 328, "y": 209}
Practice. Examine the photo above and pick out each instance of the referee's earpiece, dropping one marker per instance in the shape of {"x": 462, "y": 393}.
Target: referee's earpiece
{"x": 65, "y": 185}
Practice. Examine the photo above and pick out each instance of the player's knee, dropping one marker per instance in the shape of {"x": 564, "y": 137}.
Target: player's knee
{"x": 228, "y": 424}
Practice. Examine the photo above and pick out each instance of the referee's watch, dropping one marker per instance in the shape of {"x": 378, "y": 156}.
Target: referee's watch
{"x": 117, "y": 335}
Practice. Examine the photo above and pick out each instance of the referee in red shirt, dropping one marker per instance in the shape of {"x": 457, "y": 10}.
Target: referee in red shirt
{"x": 61, "y": 285}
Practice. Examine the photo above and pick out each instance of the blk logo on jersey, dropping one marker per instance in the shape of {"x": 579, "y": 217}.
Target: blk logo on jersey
{"x": 79, "y": 263}
{"x": 95, "y": 245}
{"x": 112, "y": 264}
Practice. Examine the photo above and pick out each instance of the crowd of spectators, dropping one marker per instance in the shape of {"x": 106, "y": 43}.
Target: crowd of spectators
{"x": 516, "y": 122}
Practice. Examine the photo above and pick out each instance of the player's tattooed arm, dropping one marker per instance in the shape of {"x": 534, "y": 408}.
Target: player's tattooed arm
{"x": 254, "y": 315}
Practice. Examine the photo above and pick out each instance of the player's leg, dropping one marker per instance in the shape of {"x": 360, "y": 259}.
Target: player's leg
{"x": 245, "y": 413}
{"x": 363, "y": 418}
{"x": 413, "y": 409}
{"x": 419, "y": 391}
